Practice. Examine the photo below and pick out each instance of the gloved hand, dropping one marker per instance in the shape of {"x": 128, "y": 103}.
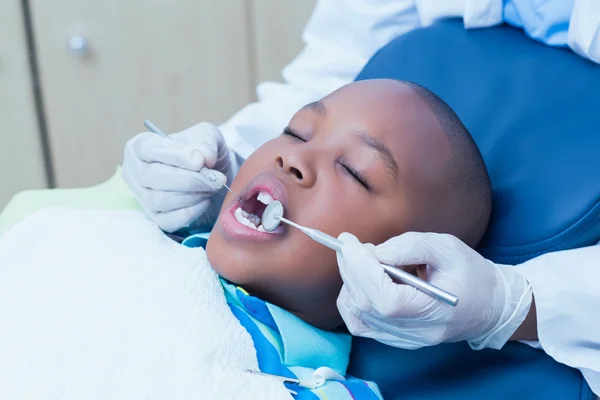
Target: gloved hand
{"x": 493, "y": 299}
{"x": 164, "y": 175}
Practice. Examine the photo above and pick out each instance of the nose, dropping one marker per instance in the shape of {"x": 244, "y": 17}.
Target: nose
{"x": 298, "y": 165}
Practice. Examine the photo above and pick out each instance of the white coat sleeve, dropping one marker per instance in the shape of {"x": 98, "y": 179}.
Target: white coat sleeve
{"x": 584, "y": 29}
{"x": 573, "y": 23}
{"x": 566, "y": 289}
{"x": 340, "y": 37}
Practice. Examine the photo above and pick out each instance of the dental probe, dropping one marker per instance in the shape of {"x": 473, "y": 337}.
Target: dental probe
{"x": 205, "y": 171}
{"x": 273, "y": 216}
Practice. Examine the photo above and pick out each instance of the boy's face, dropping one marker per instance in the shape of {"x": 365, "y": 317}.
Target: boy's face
{"x": 366, "y": 160}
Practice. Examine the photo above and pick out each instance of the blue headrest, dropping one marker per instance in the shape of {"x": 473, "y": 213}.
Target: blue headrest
{"x": 534, "y": 112}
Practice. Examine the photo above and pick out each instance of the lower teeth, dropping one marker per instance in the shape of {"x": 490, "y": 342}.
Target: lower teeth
{"x": 248, "y": 219}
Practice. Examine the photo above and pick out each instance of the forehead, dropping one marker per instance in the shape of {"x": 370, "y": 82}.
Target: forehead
{"x": 381, "y": 105}
{"x": 391, "y": 112}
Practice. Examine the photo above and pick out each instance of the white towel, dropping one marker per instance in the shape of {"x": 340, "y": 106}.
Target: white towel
{"x": 102, "y": 305}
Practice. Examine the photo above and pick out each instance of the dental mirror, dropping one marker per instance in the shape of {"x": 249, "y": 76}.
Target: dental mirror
{"x": 271, "y": 217}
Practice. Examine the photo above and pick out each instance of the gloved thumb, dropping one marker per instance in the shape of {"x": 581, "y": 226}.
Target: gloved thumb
{"x": 411, "y": 248}
{"x": 347, "y": 237}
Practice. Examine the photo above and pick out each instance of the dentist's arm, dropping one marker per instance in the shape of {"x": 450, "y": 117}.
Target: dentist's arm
{"x": 566, "y": 287}
{"x": 496, "y": 302}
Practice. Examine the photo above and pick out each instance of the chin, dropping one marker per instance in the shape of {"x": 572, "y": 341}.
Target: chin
{"x": 224, "y": 263}
{"x": 232, "y": 262}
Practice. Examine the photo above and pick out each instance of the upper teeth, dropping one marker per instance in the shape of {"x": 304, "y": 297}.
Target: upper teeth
{"x": 265, "y": 198}
{"x": 252, "y": 220}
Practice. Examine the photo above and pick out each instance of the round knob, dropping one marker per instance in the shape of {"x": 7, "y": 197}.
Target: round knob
{"x": 79, "y": 45}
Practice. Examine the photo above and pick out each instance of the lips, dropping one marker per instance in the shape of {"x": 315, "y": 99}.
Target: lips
{"x": 248, "y": 203}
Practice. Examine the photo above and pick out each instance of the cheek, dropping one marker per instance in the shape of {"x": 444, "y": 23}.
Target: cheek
{"x": 370, "y": 219}
{"x": 379, "y": 224}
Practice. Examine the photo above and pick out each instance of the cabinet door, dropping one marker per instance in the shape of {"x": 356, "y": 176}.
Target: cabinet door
{"x": 21, "y": 158}
{"x": 278, "y": 26}
{"x": 173, "y": 62}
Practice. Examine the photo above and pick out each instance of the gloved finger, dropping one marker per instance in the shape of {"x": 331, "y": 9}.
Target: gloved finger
{"x": 183, "y": 182}
{"x": 177, "y": 219}
{"x": 396, "y": 332}
{"x": 371, "y": 326}
{"x": 371, "y": 247}
{"x": 152, "y": 148}
{"x": 160, "y": 176}
{"x": 400, "y": 343}
{"x": 411, "y": 248}
{"x": 419, "y": 271}
{"x": 206, "y": 138}
{"x": 135, "y": 187}
{"x": 354, "y": 262}
{"x": 173, "y": 219}
{"x": 350, "y": 312}
{"x": 352, "y": 288}
{"x": 357, "y": 263}
{"x": 372, "y": 289}
{"x": 404, "y": 302}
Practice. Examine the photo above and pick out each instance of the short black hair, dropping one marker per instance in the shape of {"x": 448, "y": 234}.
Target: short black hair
{"x": 469, "y": 203}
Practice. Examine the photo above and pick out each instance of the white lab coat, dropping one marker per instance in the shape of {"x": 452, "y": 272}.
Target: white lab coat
{"x": 342, "y": 35}
{"x": 566, "y": 289}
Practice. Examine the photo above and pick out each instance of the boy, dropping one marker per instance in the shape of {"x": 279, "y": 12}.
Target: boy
{"x": 375, "y": 158}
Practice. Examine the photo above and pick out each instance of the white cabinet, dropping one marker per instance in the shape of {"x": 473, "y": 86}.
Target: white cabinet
{"x": 175, "y": 63}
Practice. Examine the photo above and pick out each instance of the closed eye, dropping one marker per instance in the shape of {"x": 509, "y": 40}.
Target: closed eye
{"x": 356, "y": 176}
{"x": 290, "y": 132}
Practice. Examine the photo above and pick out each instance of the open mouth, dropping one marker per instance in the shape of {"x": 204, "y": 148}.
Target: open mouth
{"x": 251, "y": 210}
{"x": 243, "y": 218}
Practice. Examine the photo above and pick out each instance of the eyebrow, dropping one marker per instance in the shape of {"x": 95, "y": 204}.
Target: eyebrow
{"x": 383, "y": 151}
{"x": 316, "y": 106}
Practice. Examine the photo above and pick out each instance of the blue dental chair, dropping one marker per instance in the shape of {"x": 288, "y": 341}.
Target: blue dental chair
{"x": 534, "y": 112}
